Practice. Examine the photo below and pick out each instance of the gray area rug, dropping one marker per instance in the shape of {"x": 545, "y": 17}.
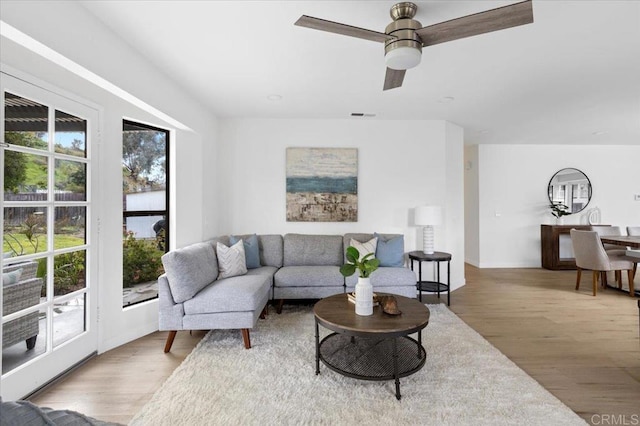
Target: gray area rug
{"x": 465, "y": 381}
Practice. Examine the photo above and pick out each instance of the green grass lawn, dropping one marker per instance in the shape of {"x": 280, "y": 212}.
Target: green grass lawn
{"x": 60, "y": 241}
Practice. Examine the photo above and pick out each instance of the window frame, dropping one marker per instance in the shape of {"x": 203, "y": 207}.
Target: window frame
{"x": 146, "y": 213}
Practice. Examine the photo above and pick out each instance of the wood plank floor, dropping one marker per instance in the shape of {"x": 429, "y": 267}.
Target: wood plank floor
{"x": 583, "y": 349}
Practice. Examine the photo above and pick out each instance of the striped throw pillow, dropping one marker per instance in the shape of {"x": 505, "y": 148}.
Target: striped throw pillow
{"x": 366, "y": 247}
{"x": 231, "y": 261}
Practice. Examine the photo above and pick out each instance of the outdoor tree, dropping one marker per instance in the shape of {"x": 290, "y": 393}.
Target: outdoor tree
{"x": 14, "y": 170}
{"x": 15, "y": 163}
{"x": 143, "y": 158}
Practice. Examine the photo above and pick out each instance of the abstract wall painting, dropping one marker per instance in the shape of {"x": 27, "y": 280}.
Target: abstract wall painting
{"x": 322, "y": 185}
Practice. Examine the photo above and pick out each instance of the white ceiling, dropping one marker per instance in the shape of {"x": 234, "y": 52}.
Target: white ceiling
{"x": 571, "y": 77}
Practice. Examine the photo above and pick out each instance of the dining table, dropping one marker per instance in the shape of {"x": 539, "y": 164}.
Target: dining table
{"x": 623, "y": 240}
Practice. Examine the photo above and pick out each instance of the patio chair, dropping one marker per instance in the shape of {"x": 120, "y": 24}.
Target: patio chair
{"x": 17, "y": 296}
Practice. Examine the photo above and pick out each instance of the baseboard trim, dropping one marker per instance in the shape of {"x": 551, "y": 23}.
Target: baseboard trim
{"x": 60, "y": 376}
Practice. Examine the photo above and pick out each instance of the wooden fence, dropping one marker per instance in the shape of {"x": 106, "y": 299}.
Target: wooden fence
{"x": 15, "y": 216}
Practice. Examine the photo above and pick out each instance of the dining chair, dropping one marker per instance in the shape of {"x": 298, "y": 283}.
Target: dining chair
{"x": 591, "y": 255}
{"x": 609, "y": 231}
{"x": 612, "y": 249}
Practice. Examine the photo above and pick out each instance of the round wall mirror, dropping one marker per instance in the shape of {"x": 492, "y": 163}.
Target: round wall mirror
{"x": 570, "y": 187}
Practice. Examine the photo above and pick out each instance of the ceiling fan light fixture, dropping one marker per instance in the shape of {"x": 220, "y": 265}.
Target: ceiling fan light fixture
{"x": 403, "y": 58}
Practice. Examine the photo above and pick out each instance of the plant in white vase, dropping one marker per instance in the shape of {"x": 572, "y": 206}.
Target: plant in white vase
{"x": 365, "y": 266}
{"x": 559, "y": 210}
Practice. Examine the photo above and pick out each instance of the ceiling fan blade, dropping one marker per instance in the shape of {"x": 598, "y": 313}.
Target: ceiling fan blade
{"x": 393, "y": 78}
{"x": 348, "y": 30}
{"x": 478, "y": 23}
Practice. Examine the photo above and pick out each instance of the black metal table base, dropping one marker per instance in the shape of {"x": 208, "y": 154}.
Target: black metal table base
{"x": 371, "y": 358}
{"x": 432, "y": 286}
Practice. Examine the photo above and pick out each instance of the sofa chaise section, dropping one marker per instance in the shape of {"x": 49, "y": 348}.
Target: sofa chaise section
{"x": 192, "y": 297}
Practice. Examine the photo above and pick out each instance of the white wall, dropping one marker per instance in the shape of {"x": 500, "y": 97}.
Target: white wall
{"x": 79, "y": 36}
{"x": 471, "y": 206}
{"x": 512, "y": 186}
{"x": 401, "y": 164}
{"x": 454, "y": 230}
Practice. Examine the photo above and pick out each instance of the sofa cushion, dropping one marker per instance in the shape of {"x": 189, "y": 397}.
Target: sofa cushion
{"x": 190, "y": 269}
{"x": 309, "y": 276}
{"x": 271, "y": 250}
{"x": 312, "y": 250}
{"x": 270, "y": 271}
{"x": 390, "y": 250}
{"x": 387, "y": 277}
{"x": 251, "y": 249}
{"x": 231, "y": 260}
{"x": 235, "y": 294}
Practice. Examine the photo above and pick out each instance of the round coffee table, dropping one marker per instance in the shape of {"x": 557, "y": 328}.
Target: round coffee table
{"x": 375, "y": 347}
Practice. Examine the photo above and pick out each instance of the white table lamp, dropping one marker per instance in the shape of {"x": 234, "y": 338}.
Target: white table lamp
{"x": 428, "y": 216}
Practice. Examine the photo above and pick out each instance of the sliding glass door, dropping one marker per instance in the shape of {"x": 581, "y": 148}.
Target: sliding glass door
{"x": 49, "y": 236}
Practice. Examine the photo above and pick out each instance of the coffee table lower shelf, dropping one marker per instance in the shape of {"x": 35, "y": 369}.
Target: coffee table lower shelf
{"x": 372, "y": 358}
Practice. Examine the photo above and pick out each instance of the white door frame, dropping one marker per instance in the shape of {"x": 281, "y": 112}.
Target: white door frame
{"x": 35, "y": 373}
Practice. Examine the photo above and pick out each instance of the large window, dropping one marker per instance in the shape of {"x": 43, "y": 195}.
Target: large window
{"x": 145, "y": 195}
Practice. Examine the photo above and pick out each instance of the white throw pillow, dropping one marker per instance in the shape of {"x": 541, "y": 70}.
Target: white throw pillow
{"x": 9, "y": 278}
{"x": 365, "y": 248}
{"x": 231, "y": 260}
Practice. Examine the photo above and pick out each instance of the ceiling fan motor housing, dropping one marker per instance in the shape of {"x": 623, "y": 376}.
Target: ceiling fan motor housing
{"x": 405, "y": 31}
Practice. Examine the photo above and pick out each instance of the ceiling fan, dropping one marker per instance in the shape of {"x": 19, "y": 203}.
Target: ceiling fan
{"x": 404, "y": 37}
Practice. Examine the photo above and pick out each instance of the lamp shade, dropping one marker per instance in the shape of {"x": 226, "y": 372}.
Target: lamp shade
{"x": 428, "y": 215}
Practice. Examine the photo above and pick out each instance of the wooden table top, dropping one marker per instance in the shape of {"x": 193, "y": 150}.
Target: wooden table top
{"x": 338, "y": 314}
{"x": 629, "y": 241}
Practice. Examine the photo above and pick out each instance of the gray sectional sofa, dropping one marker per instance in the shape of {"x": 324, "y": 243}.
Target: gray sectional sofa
{"x": 192, "y": 296}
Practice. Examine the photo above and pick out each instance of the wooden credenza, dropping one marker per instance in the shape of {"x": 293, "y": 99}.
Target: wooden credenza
{"x": 556, "y": 247}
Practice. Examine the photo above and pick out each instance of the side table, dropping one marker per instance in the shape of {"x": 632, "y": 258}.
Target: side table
{"x": 432, "y": 286}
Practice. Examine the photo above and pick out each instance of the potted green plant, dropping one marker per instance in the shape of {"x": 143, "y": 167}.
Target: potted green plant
{"x": 365, "y": 266}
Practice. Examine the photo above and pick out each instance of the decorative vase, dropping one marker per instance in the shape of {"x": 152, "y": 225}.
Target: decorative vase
{"x": 560, "y": 220}
{"x": 364, "y": 297}
{"x": 594, "y": 216}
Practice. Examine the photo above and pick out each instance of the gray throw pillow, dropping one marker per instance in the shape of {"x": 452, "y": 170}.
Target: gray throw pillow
{"x": 390, "y": 250}
{"x": 251, "y": 249}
